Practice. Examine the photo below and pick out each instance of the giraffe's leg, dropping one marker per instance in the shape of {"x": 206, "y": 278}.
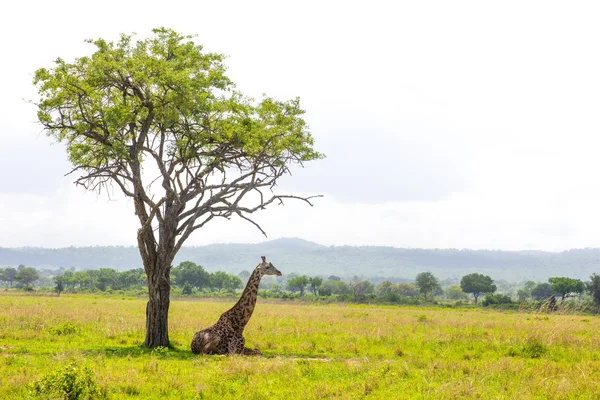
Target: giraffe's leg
{"x": 251, "y": 352}
{"x": 248, "y": 352}
{"x": 236, "y": 344}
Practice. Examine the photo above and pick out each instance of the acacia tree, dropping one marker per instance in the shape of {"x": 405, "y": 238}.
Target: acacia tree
{"x": 426, "y": 283}
{"x": 477, "y": 284}
{"x": 159, "y": 120}
{"x": 298, "y": 284}
{"x": 26, "y": 276}
{"x": 566, "y": 286}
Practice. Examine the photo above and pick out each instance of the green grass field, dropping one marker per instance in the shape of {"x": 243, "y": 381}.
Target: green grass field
{"x": 310, "y": 351}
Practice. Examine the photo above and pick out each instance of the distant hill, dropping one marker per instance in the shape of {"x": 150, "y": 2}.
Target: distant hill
{"x": 304, "y": 257}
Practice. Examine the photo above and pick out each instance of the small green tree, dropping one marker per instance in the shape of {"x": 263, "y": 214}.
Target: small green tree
{"x": 107, "y": 278}
{"x": 593, "y": 288}
{"x": 477, "y": 284}
{"x": 298, "y": 284}
{"x": 193, "y": 274}
{"x": 187, "y": 289}
{"x": 218, "y": 280}
{"x": 9, "y": 275}
{"x": 244, "y": 275}
{"x": 542, "y": 291}
{"x": 406, "y": 289}
{"x": 330, "y": 287}
{"x": 26, "y": 276}
{"x": 566, "y": 287}
{"x": 525, "y": 292}
{"x": 59, "y": 285}
{"x": 361, "y": 287}
{"x": 454, "y": 292}
{"x": 232, "y": 282}
{"x": 82, "y": 279}
{"x": 130, "y": 278}
{"x": 315, "y": 283}
{"x": 426, "y": 283}
{"x": 384, "y": 288}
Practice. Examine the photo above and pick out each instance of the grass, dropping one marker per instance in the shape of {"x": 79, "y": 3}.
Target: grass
{"x": 310, "y": 351}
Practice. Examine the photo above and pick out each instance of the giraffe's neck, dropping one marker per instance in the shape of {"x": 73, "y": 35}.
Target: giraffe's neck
{"x": 243, "y": 309}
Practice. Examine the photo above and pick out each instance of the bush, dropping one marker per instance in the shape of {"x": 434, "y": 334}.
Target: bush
{"x": 493, "y": 299}
{"x": 70, "y": 382}
{"x": 66, "y": 328}
{"x": 187, "y": 289}
{"x": 533, "y": 348}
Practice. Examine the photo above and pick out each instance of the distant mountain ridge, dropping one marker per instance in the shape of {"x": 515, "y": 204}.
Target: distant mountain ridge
{"x": 304, "y": 257}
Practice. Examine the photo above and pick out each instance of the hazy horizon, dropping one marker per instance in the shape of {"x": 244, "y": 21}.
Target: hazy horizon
{"x": 312, "y": 242}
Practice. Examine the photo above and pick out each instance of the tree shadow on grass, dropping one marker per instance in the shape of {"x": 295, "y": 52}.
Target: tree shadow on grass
{"x": 175, "y": 353}
{"x": 139, "y": 351}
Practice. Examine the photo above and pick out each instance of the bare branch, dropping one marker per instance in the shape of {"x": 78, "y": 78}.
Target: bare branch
{"x": 252, "y": 222}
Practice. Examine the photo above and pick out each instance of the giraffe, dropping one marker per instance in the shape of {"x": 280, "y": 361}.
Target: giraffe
{"x": 225, "y": 337}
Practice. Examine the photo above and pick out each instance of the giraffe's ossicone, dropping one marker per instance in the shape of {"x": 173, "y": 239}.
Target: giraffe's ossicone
{"x": 226, "y": 336}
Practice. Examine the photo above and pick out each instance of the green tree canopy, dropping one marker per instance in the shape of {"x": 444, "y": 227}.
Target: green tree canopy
{"x": 454, "y": 292}
{"x": 244, "y": 275}
{"x": 361, "y": 287}
{"x": 159, "y": 119}
{"x": 426, "y": 283}
{"x": 384, "y": 288}
{"x": 191, "y": 273}
{"x": 221, "y": 280}
{"x": 334, "y": 286}
{"x": 59, "y": 284}
{"x": 218, "y": 280}
{"x": 26, "y": 276}
{"x": 406, "y": 289}
{"x": 593, "y": 288}
{"x": 107, "y": 278}
{"x": 566, "y": 287}
{"x": 542, "y": 291}
{"x": 298, "y": 284}
{"x": 315, "y": 283}
{"x": 477, "y": 284}
{"x": 233, "y": 282}
{"x": 9, "y": 275}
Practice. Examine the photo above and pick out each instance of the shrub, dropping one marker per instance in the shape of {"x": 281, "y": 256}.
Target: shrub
{"x": 187, "y": 289}
{"x": 492, "y": 299}
{"x": 533, "y": 348}
{"x": 70, "y": 382}
{"x": 66, "y": 328}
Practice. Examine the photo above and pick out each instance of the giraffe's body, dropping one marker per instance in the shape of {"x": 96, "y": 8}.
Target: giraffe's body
{"x": 226, "y": 336}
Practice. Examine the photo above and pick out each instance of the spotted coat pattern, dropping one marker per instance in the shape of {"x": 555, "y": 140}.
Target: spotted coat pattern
{"x": 226, "y": 336}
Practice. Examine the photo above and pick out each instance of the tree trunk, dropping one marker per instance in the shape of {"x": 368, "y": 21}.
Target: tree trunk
{"x": 157, "y": 309}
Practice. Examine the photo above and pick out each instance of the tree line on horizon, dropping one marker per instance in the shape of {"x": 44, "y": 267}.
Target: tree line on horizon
{"x": 189, "y": 278}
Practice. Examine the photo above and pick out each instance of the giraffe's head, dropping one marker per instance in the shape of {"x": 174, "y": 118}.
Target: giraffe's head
{"x": 266, "y": 268}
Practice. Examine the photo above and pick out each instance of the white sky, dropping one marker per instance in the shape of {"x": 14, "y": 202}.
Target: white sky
{"x": 464, "y": 124}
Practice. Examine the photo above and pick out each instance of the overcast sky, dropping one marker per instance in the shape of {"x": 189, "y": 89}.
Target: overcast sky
{"x": 463, "y": 124}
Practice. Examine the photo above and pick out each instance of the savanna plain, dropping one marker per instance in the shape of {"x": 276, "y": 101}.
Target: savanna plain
{"x": 310, "y": 351}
